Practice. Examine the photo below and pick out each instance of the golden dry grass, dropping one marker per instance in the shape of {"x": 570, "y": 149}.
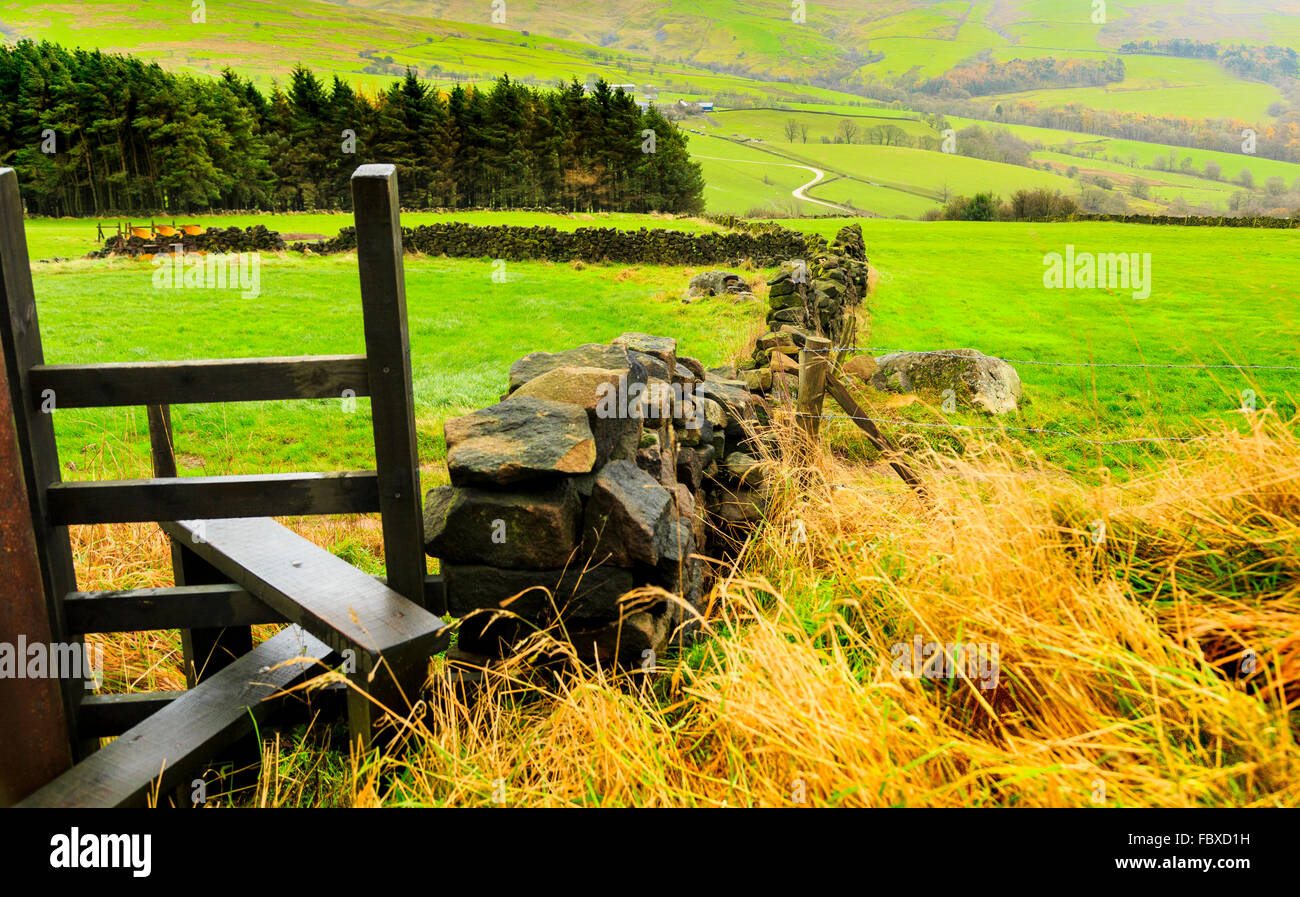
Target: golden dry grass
{"x": 1152, "y": 663}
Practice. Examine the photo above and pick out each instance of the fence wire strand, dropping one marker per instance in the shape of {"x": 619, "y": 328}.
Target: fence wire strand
{"x": 1070, "y": 364}
{"x": 1037, "y": 430}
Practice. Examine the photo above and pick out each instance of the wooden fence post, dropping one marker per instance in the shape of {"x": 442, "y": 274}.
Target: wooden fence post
{"x": 840, "y": 393}
{"x": 812, "y": 383}
{"x": 36, "y": 747}
{"x": 20, "y": 337}
{"x": 388, "y": 357}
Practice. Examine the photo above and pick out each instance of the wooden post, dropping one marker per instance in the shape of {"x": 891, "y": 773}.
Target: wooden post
{"x": 887, "y": 448}
{"x": 209, "y": 649}
{"x": 812, "y": 383}
{"x": 388, "y": 357}
{"x": 20, "y": 345}
{"x": 160, "y": 440}
{"x": 35, "y": 748}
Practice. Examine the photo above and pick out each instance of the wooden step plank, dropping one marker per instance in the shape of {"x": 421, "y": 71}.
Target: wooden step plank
{"x": 336, "y": 602}
{"x": 391, "y": 636}
{"x": 173, "y": 607}
{"x": 164, "y": 750}
{"x": 196, "y": 382}
{"x": 185, "y": 498}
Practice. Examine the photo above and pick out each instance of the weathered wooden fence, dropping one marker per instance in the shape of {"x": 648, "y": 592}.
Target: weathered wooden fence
{"x": 234, "y": 566}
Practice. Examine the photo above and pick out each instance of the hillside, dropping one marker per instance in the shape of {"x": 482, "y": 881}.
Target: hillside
{"x": 842, "y": 62}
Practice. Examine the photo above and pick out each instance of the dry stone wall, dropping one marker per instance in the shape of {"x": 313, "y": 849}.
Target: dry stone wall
{"x": 257, "y": 238}
{"x": 593, "y": 244}
{"x": 817, "y": 296}
{"x": 592, "y": 494}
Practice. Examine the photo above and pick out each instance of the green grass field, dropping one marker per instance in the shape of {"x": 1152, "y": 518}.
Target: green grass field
{"x": 1143, "y": 153}
{"x": 465, "y": 331}
{"x": 942, "y": 285}
{"x": 957, "y": 284}
{"x": 1116, "y": 651}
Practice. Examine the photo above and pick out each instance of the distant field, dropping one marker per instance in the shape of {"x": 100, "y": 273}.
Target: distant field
{"x": 266, "y": 40}
{"x": 1163, "y": 185}
{"x": 740, "y": 178}
{"x": 1092, "y": 150}
{"x": 768, "y": 124}
{"x": 956, "y": 284}
{"x": 465, "y": 331}
{"x": 1163, "y": 85}
{"x": 929, "y": 171}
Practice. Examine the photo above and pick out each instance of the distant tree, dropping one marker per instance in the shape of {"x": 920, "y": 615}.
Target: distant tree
{"x": 803, "y": 133}
{"x": 848, "y": 130}
{"x": 1141, "y": 189}
{"x": 1038, "y": 204}
{"x": 791, "y": 130}
{"x": 980, "y": 207}
{"x": 1213, "y": 171}
{"x": 1275, "y": 186}
{"x": 1246, "y": 178}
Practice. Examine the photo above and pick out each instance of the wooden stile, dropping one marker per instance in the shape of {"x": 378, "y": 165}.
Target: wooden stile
{"x": 234, "y": 567}
{"x": 219, "y": 605}
{"x": 186, "y": 498}
{"x": 156, "y": 755}
{"x": 33, "y": 707}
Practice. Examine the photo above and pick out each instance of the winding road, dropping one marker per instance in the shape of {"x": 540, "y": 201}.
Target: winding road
{"x": 797, "y": 192}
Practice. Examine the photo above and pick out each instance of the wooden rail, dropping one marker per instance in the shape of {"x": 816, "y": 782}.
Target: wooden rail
{"x": 198, "y": 382}
{"x": 157, "y": 754}
{"x": 192, "y": 498}
{"x": 175, "y": 607}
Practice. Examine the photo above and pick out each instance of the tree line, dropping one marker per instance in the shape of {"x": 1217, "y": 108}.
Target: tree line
{"x": 94, "y": 133}
{"x": 1279, "y": 140}
{"x": 986, "y": 78}
{"x": 1263, "y": 62}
